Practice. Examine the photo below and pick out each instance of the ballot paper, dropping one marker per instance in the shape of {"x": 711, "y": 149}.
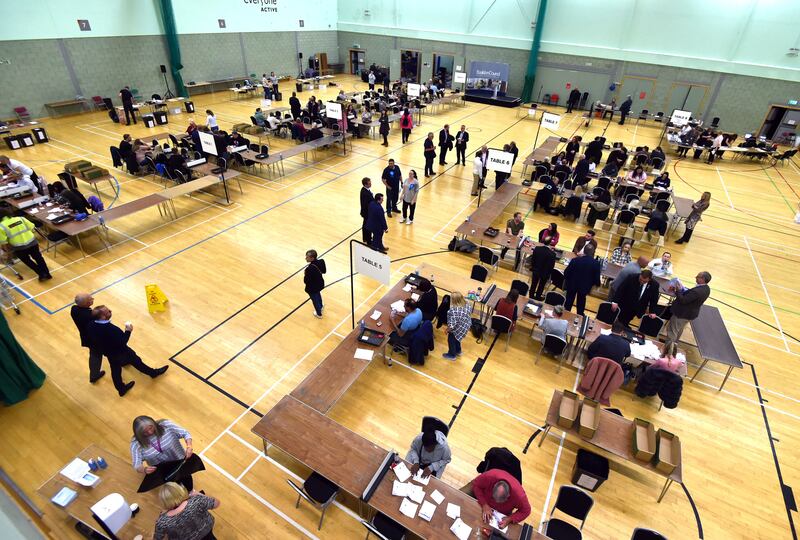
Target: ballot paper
{"x": 419, "y": 478}
{"x": 414, "y": 296}
{"x": 76, "y": 469}
{"x": 363, "y": 354}
{"x": 427, "y": 510}
{"x": 416, "y": 493}
{"x": 375, "y": 315}
{"x": 437, "y": 497}
{"x": 407, "y": 288}
{"x": 399, "y": 306}
{"x": 495, "y": 520}
{"x": 453, "y": 510}
{"x": 408, "y": 508}
{"x": 401, "y": 472}
{"x": 548, "y": 312}
{"x": 605, "y": 332}
{"x": 400, "y": 489}
{"x": 461, "y": 529}
{"x": 648, "y": 350}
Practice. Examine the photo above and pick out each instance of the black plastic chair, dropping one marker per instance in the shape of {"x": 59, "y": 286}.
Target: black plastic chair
{"x": 597, "y": 191}
{"x": 605, "y": 314}
{"x": 433, "y": 423}
{"x": 659, "y": 117}
{"x": 554, "y": 345}
{"x": 318, "y": 491}
{"x": 539, "y": 171}
{"x": 557, "y": 529}
{"x": 640, "y": 533}
{"x": 657, "y": 163}
{"x": 479, "y": 273}
{"x": 714, "y": 122}
{"x": 384, "y": 528}
{"x": 179, "y": 176}
{"x": 557, "y": 279}
{"x": 487, "y": 256}
{"x": 502, "y": 325}
{"x": 643, "y": 114}
{"x": 561, "y": 175}
{"x": 626, "y": 217}
{"x": 520, "y": 286}
{"x": 651, "y": 326}
{"x": 554, "y": 298}
{"x": 116, "y": 157}
{"x": 574, "y": 502}
{"x": 603, "y": 182}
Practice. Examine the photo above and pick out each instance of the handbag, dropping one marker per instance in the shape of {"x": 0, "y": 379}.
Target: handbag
{"x": 491, "y": 232}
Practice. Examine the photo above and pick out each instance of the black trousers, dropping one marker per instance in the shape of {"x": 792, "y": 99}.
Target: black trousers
{"x": 385, "y": 139}
{"x": 442, "y": 154}
{"x": 129, "y": 112}
{"x": 461, "y": 154}
{"x": 570, "y": 106}
{"x": 377, "y": 241}
{"x": 580, "y": 303}
{"x": 623, "y": 116}
{"x": 428, "y": 165}
{"x": 538, "y": 283}
{"x": 406, "y": 206}
{"x": 687, "y": 235}
{"x": 366, "y": 235}
{"x": 95, "y": 363}
{"x": 32, "y": 258}
{"x": 128, "y": 358}
{"x": 391, "y": 200}
{"x": 372, "y": 86}
{"x": 626, "y": 315}
{"x": 406, "y": 134}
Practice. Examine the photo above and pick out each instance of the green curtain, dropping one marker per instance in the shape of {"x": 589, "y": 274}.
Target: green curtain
{"x": 18, "y": 373}
{"x": 171, "y": 33}
{"x": 530, "y": 72}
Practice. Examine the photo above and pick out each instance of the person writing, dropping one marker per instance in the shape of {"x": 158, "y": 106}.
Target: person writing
{"x": 612, "y": 346}
{"x": 497, "y": 490}
{"x": 405, "y": 324}
{"x": 555, "y": 325}
{"x": 185, "y": 514}
{"x": 429, "y": 453}
{"x": 662, "y": 181}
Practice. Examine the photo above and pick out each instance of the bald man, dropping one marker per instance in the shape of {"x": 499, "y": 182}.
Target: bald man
{"x": 81, "y": 314}
{"x": 633, "y": 268}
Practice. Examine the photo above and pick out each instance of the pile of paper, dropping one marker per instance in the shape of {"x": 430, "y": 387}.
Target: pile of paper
{"x": 648, "y": 350}
{"x": 399, "y": 306}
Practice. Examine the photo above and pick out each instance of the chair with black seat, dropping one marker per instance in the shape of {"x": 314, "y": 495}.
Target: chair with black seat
{"x": 179, "y": 176}
{"x": 502, "y": 325}
{"x": 174, "y": 140}
{"x": 432, "y": 423}
{"x": 539, "y": 171}
{"x": 557, "y": 529}
{"x": 151, "y": 165}
{"x": 384, "y": 528}
{"x": 656, "y": 163}
{"x": 554, "y": 298}
{"x": 640, "y": 533}
{"x": 573, "y": 208}
{"x": 568, "y": 184}
{"x": 597, "y": 191}
{"x": 626, "y": 217}
{"x": 544, "y": 198}
{"x": 574, "y": 502}
{"x": 108, "y": 103}
{"x": 643, "y": 114}
{"x": 651, "y": 326}
{"x": 156, "y": 106}
{"x": 659, "y": 117}
{"x": 603, "y": 182}
{"x": 487, "y": 256}
{"x": 557, "y": 279}
{"x": 116, "y": 157}
{"x": 561, "y": 175}
{"x": 520, "y": 286}
{"x": 605, "y": 314}
{"x": 53, "y": 239}
{"x": 318, "y": 491}
{"x": 479, "y": 273}
{"x": 714, "y": 123}
{"x": 641, "y": 159}
{"x": 554, "y": 345}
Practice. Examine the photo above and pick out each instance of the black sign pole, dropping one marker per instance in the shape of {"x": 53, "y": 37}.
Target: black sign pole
{"x": 536, "y": 140}
{"x": 352, "y": 293}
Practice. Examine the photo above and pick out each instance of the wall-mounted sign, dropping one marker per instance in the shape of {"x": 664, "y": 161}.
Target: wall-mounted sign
{"x": 266, "y": 6}
{"x": 84, "y": 25}
{"x": 221, "y": 23}
{"x": 459, "y": 77}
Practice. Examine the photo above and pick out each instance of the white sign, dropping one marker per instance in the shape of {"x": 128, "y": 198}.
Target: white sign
{"x": 532, "y": 112}
{"x": 207, "y": 142}
{"x": 333, "y": 110}
{"x": 460, "y": 77}
{"x": 680, "y": 118}
{"x": 550, "y": 121}
{"x": 499, "y": 161}
{"x": 371, "y": 263}
{"x": 413, "y": 90}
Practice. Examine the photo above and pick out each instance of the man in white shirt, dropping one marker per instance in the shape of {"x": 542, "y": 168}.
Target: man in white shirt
{"x": 20, "y": 174}
{"x": 477, "y": 173}
{"x": 715, "y": 144}
{"x": 371, "y": 79}
{"x": 662, "y": 267}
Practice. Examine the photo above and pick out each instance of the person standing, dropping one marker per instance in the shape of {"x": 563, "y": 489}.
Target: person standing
{"x": 632, "y": 268}
{"x": 366, "y": 197}
{"x": 294, "y": 105}
{"x": 501, "y": 178}
{"x": 462, "y": 138}
{"x": 410, "y": 192}
{"x": 624, "y": 110}
{"x": 573, "y": 99}
{"x": 81, "y": 314}
{"x": 17, "y": 235}
{"x": 572, "y": 149}
{"x": 406, "y": 124}
{"x": 430, "y": 154}
{"x": 391, "y": 178}
{"x": 127, "y": 104}
{"x": 459, "y": 321}
{"x": 477, "y": 174}
{"x": 376, "y": 223}
{"x": 445, "y": 143}
{"x": 636, "y": 296}
{"x": 211, "y": 121}
{"x": 185, "y": 513}
{"x": 581, "y": 275}
{"x": 157, "y": 442}
{"x": 543, "y": 260}
{"x": 112, "y": 342}
{"x": 274, "y": 80}
{"x": 383, "y": 129}
{"x": 371, "y": 80}
{"x": 314, "y": 282}
{"x": 266, "y": 84}
{"x": 19, "y": 172}
{"x": 686, "y": 306}
{"x": 694, "y": 217}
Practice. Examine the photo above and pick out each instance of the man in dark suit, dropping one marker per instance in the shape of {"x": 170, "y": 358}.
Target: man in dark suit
{"x": 430, "y": 154}
{"x": 625, "y": 109}
{"x": 581, "y": 275}
{"x": 635, "y": 297}
{"x": 112, "y": 342}
{"x": 543, "y": 260}
{"x": 366, "y": 198}
{"x": 462, "y": 138}
{"x": 573, "y": 99}
{"x": 594, "y": 150}
{"x": 294, "y": 105}
{"x": 445, "y": 143}
{"x": 127, "y": 104}
{"x": 581, "y": 174}
{"x": 612, "y": 346}
{"x": 376, "y": 223}
{"x": 686, "y": 306}
{"x": 81, "y": 314}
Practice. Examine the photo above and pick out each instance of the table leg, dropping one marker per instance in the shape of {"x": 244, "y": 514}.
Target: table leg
{"x": 266, "y": 448}
{"x": 667, "y": 484}
{"x": 544, "y": 434}
{"x": 728, "y": 374}
{"x": 701, "y": 369}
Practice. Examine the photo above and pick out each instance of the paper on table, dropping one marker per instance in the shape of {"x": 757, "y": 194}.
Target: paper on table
{"x": 461, "y": 529}
{"x": 416, "y": 493}
{"x": 418, "y": 478}
{"x": 76, "y": 469}
{"x": 363, "y": 354}
{"x": 605, "y": 332}
{"x": 375, "y": 315}
{"x": 494, "y": 521}
{"x": 548, "y": 312}
{"x": 408, "y": 508}
{"x": 399, "y": 489}
{"x": 453, "y": 510}
{"x": 414, "y": 296}
{"x": 399, "y": 306}
{"x": 407, "y": 288}
{"x": 437, "y": 497}
{"x": 401, "y": 472}
{"x": 427, "y": 510}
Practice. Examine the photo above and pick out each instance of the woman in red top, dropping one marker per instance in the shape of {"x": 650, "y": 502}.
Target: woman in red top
{"x": 406, "y": 124}
{"x": 507, "y": 307}
{"x": 551, "y": 234}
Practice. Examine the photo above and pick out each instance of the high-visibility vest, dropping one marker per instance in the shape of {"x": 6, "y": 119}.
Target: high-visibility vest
{"x": 17, "y": 231}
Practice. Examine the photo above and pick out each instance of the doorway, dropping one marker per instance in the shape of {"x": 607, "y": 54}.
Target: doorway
{"x": 358, "y": 60}
{"x": 640, "y": 89}
{"x": 443, "y": 69}
{"x": 409, "y": 65}
{"x": 687, "y": 97}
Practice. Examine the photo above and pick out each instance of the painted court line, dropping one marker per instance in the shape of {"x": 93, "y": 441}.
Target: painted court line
{"x": 766, "y": 293}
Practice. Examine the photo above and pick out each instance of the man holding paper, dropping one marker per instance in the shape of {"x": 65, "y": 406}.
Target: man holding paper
{"x": 497, "y": 490}
{"x": 429, "y": 453}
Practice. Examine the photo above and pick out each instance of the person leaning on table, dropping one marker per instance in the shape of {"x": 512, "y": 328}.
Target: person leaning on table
{"x": 429, "y": 453}
{"x": 686, "y": 306}
{"x": 158, "y": 441}
{"x": 185, "y": 514}
{"x": 498, "y": 490}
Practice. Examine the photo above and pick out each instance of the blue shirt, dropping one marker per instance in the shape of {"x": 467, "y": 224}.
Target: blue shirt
{"x": 411, "y": 321}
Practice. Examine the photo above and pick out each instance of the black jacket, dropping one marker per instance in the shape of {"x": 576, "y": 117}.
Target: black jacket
{"x": 501, "y": 458}
{"x": 543, "y": 260}
{"x": 384, "y": 127}
{"x": 594, "y": 149}
{"x": 392, "y": 177}
{"x": 430, "y": 148}
{"x": 582, "y": 274}
{"x": 626, "y": 106}
{"x": 665, "y": 383}
{"x": 312, "y": 276}
{"x": 581, "y": 171}
{"x": 294, "y": 104}
{"x": 627, "y": 296}
{"x": 82, "y": 317}
{"x": 445, "y": 139}
{"x": 462, "y": 138}
{"x": 427, "y": 304}
{"x": 687, "y": 304}
{"x": 574, "y": 96}
{"x": 109, "y": 339}
{"x": 366, "y": 197}
{"x": 125, "y": 148}
{"x": 611, "y": 346}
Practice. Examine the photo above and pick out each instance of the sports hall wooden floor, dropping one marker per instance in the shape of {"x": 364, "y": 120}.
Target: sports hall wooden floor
{"x": 233, "y": 276}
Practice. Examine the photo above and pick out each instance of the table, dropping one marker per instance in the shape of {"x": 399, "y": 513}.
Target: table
{"x": 714, "y": 342}
{"x": 120, "y": 478}
{"x": 614, "y": 435}
{"x": 170, "y": 194}
{"x": 547, "y": 149}
{"x": 190, "y": 86}
{"x": 157, "y": 137}
{"x": 683, "y": 207}
{"x": 55, "y": 105}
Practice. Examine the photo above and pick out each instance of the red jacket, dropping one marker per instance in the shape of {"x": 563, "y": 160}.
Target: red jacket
{"x": 482, "y": 487}
{"x": 602, "y": 378}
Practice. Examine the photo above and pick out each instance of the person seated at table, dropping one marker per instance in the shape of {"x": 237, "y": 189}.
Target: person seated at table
{"x": 549, "y": 235}
{"x": 612, "y": 346}
{"x": 259, "y": 117}
{"x": 599, "y": 208}
{"x": 405, "y": 324}
{"x": 637, "y": 175}
{"x": 192, "y": 126}
{"x": 299, "y": 130}
{"x": 663, "y": 266}
{"x": 554, "y": 325}
{"x": 688, "y": 139}
{"x": 622, "y": 254}
{"x": 617, "y": 156}
{"x": 428, "y": 301}
{"x": 185, "y": 513}
{"x": 125, "y": 146}
{"x": 559, "y": 158}
{"x": 662, "y": 181}
{"x": 611, "y": 170}
{"x": 514, "y": 227}
{"x": 658, "y": 222}
{"x": 657, "y": 153}
{"x": 588, "y": 238}
{"x": 669, "y": 360}
{"x": 177, "y": 162}
{"x": 341, "y": 96}
{"x": 507, "y": 307}
{"x": 496, "y": 489}
{"x": 235, "y": 139}
{"x": 314, "y": 133}
{"x": 429, "y": 453}
{"x": 582, "y": 169}
{"x": 69, "y": 197}
{"x": 705, "y": 140}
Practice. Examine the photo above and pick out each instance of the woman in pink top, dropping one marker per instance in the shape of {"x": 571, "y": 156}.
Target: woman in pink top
{"x": 549, "y": 235}
{"x": 406, "y": 124}
{"x": 669, "y": 361}
{"x": 637, "y": 175}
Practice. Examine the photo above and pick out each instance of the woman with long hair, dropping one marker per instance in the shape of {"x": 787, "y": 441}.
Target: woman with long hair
{"x": 695, "y": 216}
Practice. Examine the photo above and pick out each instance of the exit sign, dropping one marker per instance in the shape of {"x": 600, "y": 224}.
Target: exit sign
{"x": 792, "y": 102}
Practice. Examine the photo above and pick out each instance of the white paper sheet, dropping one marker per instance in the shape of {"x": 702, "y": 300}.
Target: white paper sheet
{"x": 76, "y": 469}
{"x": 363, "y": 354}
{"x": 416, "y": 493}
{"x": 494, "y": 521}
{"x": 461, "y": 529}
{"x": 408, "y": 508}
{"x": 414, "y": 296}
{"x": 375, "y": 315}
{"x": 407, "y": 288}
{"x": 399, "y": 489}
{"x": 437, "y": 497}
{"x": 418, "y": 478}
{"x": 399, "y": 306}
{"x": 453, "y": 510}
{"x": 401, "y": 472}
{"x": 427, "y": 510}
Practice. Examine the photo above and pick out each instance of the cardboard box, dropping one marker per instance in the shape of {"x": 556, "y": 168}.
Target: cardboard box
{"x": 606, "y": 225}
{"x": 589, "y": 419}
{"x": 568, "y": 409}
{"x": 94, "y": 172}
{"x": 77, "y": 166}
{"x": 668, "y": 451}
{"x": 644, "y": 440}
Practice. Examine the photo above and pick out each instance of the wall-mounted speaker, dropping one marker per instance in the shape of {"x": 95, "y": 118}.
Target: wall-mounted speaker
{"x": 300, "y": 56}
{"x": 163, "y": 68}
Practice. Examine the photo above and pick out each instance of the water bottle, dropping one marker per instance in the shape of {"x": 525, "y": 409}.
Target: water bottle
{"x": 101, "y": 462}
{"x": 362, "y": 325}
{"x": 102, "y": 220}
